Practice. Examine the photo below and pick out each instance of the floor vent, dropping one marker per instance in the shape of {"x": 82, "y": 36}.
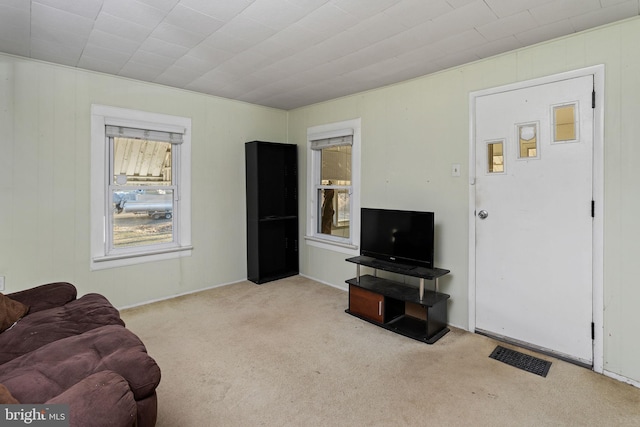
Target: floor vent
{"x": 521, "y": 361}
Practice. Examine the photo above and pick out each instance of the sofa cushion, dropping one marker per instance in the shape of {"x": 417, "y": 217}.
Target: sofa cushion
{"x": 40, "y": 375}
{"x": 10, "y": 311}
{"x": 103, "y": 399}
{"x": 5, "y": 396}
{"x": 46, "y": 296}
{"x": 46, "y": 326}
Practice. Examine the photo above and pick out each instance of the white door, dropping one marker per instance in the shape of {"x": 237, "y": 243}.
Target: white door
{"x": 534, "y": 151}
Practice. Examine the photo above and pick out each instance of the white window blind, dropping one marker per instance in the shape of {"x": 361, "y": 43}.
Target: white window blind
{"x": 331, "y": 139}
{"x": 149, "y": 135}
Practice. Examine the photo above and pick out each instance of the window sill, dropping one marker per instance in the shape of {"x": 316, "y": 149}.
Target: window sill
{"x": 332, "y": 245}
{"x": 121, "y": 260}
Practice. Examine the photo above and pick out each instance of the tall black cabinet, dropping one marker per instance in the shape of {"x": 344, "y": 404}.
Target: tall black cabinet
{"x": 272, "y": 210}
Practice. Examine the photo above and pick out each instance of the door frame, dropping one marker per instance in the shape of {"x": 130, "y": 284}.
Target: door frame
{"x": 597, "y": 71}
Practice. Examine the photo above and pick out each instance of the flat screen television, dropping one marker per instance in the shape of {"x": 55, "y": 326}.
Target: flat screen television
{"x": 398, "y": 236}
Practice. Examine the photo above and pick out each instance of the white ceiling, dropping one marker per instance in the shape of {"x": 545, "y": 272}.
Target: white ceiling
{"x": 286, "y": 53}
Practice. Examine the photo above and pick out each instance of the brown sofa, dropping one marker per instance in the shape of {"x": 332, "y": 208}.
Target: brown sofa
{"x": 75, "y": 351}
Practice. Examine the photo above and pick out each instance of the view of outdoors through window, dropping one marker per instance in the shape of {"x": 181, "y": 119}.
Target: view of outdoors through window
{"x": 142, "y": 193}
{"x": 335, "y": 191}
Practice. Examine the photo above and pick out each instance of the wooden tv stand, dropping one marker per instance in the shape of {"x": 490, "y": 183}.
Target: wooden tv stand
{"x": 416, "y": 313}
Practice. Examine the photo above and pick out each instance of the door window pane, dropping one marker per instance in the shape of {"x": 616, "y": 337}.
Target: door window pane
{"x": 528, "y": 140}
{"x": 495, "y": 155}
{"x": 564, "y": 123}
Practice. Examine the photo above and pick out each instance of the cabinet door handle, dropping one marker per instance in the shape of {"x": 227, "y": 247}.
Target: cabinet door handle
{"x": 379, "y": 308}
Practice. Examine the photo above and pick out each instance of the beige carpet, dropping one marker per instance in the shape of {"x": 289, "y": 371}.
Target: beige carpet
{"x": 286, "y": 354}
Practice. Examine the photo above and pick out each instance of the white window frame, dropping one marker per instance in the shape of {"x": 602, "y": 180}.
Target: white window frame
{"x": 102, "y": 116}
{"x": 313, "y": 237}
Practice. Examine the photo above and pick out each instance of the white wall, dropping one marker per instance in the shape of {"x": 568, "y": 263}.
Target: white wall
{"x": 413, "y": 132}
{"x": 44, "y": 181}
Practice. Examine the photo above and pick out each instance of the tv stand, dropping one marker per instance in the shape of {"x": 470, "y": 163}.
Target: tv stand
{"x": 386, "y": 265}
{"x": 416, "y": 313}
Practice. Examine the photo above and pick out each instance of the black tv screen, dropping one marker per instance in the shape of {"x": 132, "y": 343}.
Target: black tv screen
{"x": 403, "y": 237}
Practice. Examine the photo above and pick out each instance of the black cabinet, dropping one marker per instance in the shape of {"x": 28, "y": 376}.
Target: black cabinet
{"x": 272, "y": 210}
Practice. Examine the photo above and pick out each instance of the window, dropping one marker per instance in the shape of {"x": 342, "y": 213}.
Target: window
{"x": 527, "y": 140}
{"x": 140, "y": 187}
{"x": 565, "y": 126}
{"x": 333, "y": 219}
{"x": 495, "y": 156}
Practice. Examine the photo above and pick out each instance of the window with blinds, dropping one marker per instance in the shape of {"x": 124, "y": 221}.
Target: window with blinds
{"x": 332, "y": 184}
{"x": 142, "y": 190}
{"x": 140, "y": 184}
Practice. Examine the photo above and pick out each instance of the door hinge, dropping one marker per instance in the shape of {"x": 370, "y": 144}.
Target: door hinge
{"x": 593, "y": 99}
{"x": 593, "y": 331}
{"x": 593, "y": 209}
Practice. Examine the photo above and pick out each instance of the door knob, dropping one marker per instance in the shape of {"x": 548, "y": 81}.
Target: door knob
{"x": 483, "y": 214}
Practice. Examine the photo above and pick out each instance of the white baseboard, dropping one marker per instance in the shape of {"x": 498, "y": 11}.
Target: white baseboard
{"x": 342, "y": 288}
{"x": 178, "y": 295}
{"x": 621, "y": 378}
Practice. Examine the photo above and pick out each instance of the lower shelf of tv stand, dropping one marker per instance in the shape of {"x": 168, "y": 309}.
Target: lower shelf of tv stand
{"x": 408, "y": 326}
{"x": 397, "y": 307}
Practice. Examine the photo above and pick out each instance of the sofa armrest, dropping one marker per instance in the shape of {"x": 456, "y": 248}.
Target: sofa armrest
{"x": 101, "y": 399}
{"x": 46, "y": 296}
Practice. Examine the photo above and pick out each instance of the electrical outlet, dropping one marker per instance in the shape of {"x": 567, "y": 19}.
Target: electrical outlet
{"x": 1, "y": 283}
{"x": 455, "y": 169}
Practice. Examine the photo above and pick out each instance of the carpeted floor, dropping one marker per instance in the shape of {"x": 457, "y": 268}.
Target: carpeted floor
{"x": 286, "y": 354}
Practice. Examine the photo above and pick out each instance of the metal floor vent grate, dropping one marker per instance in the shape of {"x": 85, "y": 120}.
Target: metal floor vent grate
{"x": 521, "y": 361}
